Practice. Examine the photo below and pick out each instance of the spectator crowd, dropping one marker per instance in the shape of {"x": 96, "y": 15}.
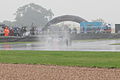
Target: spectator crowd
{"x": 16, "y": 31}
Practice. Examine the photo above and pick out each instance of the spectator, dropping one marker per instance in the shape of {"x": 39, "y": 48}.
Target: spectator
{"x": 11, "y": 32}
{"x": 6, "y": 31}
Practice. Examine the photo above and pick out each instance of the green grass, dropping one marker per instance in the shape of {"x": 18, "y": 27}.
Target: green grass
{"x": 96, "y": 39}
{"x": 115, "y": 44}
{"x": 64, "y": 58}
{"x": 15, "y": 42}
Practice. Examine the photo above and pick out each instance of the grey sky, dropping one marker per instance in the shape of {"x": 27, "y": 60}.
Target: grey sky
{"x": 87, "y": 9}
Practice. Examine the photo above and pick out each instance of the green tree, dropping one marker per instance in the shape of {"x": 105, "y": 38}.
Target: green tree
{"x": 99, "y": 20}
{"x": 32, "y": 13}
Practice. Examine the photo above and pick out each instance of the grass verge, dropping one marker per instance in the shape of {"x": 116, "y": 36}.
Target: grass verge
{"x": 15, "y": 42}
{"x": 115, "y": 44}
{"x": 63, "y": 58}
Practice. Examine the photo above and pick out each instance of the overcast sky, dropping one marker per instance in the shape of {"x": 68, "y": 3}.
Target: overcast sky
{"x": 87, "y": 9}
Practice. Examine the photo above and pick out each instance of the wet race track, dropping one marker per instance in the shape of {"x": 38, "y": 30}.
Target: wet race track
{"x": 90, "y": 45}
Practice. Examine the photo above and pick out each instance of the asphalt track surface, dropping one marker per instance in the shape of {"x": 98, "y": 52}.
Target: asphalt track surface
{"x": 90, "y": 45}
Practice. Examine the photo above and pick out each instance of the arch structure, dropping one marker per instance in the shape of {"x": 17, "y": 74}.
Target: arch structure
{"x": 65, "y": 18}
